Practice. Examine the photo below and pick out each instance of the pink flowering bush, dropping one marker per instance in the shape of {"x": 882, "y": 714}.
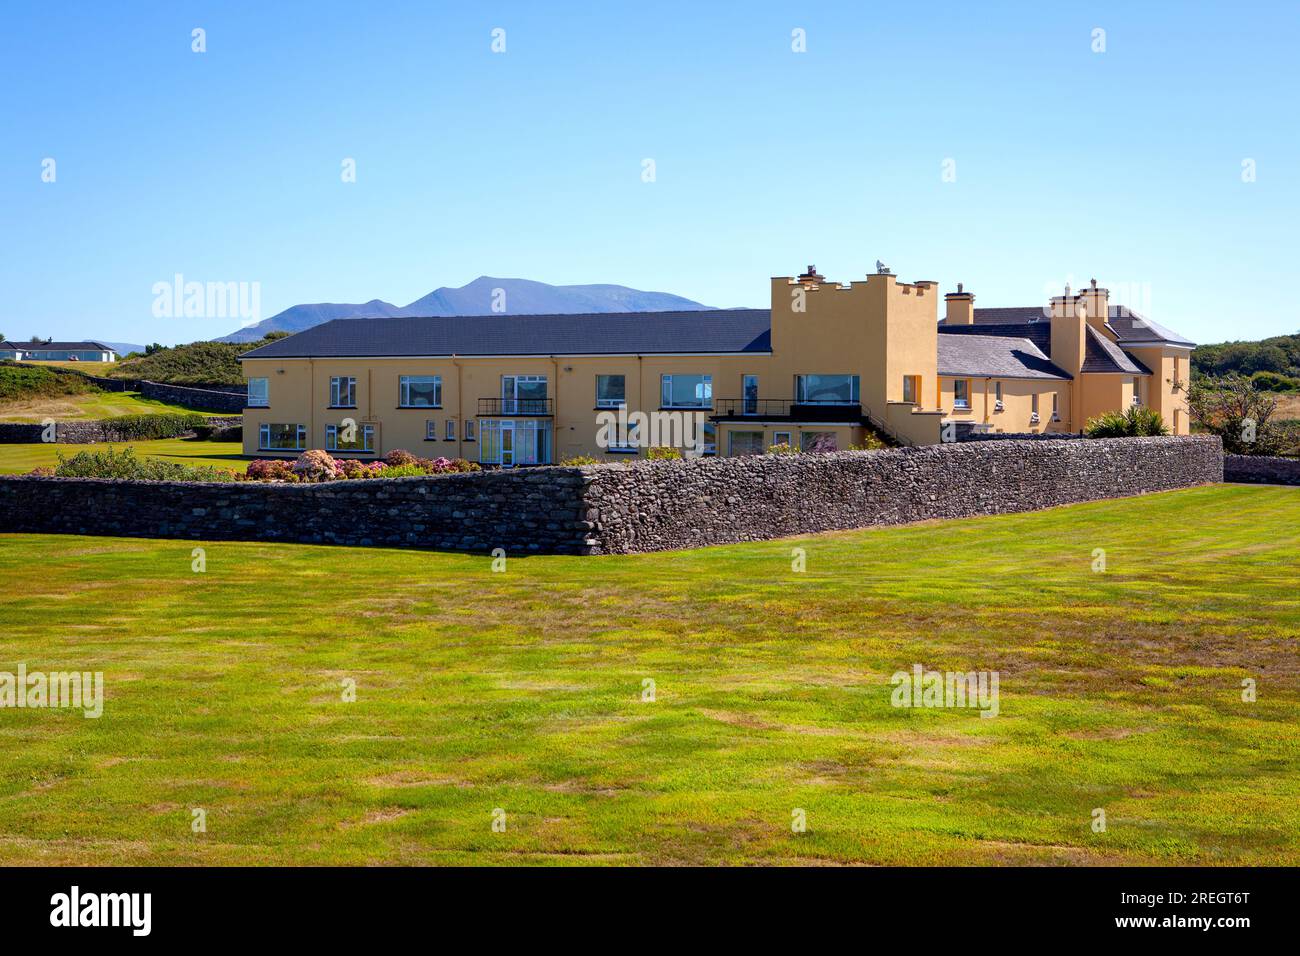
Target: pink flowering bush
{"x": 317, "y": 465}
{"x": 270, "y": 469}
{"x": 353, "y": 469}
{"x": 399, "y": 456}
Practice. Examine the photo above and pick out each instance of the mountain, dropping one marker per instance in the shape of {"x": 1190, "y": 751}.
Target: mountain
{"x": 121, "y": 348}
{"x": 521, "y": 297}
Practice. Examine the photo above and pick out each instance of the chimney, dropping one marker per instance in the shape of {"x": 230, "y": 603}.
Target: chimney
{"x": 1096, "y": 304}
{"x": 1068, "y": 323}
{"x": 811, "y": 277}
{"x": 960, "y": 307}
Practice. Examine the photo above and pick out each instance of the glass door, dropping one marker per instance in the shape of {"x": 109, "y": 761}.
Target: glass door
{"x": 507, "y": 444}
{"x": 749, "y": 388}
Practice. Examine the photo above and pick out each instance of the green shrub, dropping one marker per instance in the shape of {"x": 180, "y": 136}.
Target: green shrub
{"x": 198, "y": 363}
{"x": 662, "y": 453}
{"x": 1138, "y": 421}
{"x": 782, "y": 448}
{"x": 124, "y": 464}
{"x": 19, "y": 382}
{"x": 209, "y": 432}
{"x": 1273, "y": 382}
{"x": 578, "y": 460}
{"x": 149, "y": 427}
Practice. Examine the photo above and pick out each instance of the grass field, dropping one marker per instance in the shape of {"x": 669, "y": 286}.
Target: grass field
{"x": 90, "y": 368}
{"x": 88, "y": 406}
{"x": 19, "y": 459}
{"x": 523, "y": 691}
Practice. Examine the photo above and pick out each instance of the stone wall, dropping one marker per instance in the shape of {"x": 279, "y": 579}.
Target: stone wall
{"x": 674, "y": 504}
{"x": 1261, "y": 470}
{"x": 231, "y": 399}
{"x": 608, "y": 509}
{"x": 538, "y": 511}
{"x": 82, "y": 433}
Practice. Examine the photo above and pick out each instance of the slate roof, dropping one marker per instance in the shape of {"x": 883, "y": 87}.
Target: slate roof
{"x": 1130, "y": 327}
{"x": 994, "y": 356}
{"x": 58, "y": 346}
{"x": 1100, "y": 354}
{"x": 1040, "y": 333}
{"x": 605, "y": 333}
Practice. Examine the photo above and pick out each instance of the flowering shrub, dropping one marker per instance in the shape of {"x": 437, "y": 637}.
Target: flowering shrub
{"x": 579, "y": 460}
{"x": 782, "y": 448}
{"x": 317, "y": 465}
{"x": 399, "y": 456}
{"x": 270, "y": 469}
{"x": 662, "y": 453}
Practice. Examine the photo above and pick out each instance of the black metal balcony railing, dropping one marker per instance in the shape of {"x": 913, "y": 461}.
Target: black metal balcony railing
{"x": 778, "y": 408}
{"x": 507, "y": 407}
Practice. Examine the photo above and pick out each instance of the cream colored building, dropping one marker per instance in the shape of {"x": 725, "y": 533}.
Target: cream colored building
{"x": 824, "y": 365}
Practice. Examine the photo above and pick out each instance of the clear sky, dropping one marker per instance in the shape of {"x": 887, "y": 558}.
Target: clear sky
{"x": 226, "y": 166}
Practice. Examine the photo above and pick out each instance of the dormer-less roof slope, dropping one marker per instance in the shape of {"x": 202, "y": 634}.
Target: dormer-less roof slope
{"x": 1102, "y": 355}
{"x": 59, "y": 346}
{"x": 1129, "y": 327}
{"x": 994, "y": 356}
{"x": 607, "y": 333}
{"x": 1134, "y": 329}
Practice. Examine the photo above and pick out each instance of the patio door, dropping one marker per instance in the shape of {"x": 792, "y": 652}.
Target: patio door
{"x": 507, "y": 444}
{"x": 749, "y": 390}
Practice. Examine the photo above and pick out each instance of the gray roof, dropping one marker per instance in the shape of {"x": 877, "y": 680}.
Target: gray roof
{"x": 1100, "y": 354}
{"x": 606, "y": 333}
{"x": 1128, "y": 326}
{"x": 58, "y": 346}
{"x": 994, "y": 356}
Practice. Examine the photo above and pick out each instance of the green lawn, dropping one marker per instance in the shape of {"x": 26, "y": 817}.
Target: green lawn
{"x": 19, "y": 459}
{"x": 91, "y": 405}
{"x": 522, "y": 690}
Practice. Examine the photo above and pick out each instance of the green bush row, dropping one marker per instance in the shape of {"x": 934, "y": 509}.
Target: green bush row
{"x": 124, "y": 464}
{"x": 163, "y": 425}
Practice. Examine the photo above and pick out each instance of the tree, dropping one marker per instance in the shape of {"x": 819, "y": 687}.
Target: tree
{"x": 1137, "y": 422}
{"x": 1233, "y": 409}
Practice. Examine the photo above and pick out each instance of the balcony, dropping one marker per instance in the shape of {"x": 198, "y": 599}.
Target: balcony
{"x": 778, "y": 409}
{"x": 516, "y": 407}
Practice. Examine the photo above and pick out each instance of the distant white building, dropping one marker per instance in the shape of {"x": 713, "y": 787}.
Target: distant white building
{"x": 57, "y": 352}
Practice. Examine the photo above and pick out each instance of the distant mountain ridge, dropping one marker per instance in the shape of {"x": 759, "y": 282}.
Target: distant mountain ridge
{"x": 480, "y": 297}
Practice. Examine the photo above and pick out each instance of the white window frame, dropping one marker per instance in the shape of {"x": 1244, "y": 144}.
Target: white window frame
{"x": 264, "y": 437}
{"x": 337, "y": 390}
{"x": 957, "y": 400}
{"x": 404, "y": 391}
{"x": 783, "y": 438}
{"x": 451, "y": 429}
{"x": 801, "y": 388}
{"x": 265, "y": 390}
{"x": 367, "y": 433}
{"x": 666, "y": 390}
{"x": 468, "y": 430}
{"x": 610, "y": 402}
{"x": 431, "y": 429}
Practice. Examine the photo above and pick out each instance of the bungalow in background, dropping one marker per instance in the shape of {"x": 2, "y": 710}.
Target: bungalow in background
{"x": 820, "y": 369}
{"x": 61, "y": 351}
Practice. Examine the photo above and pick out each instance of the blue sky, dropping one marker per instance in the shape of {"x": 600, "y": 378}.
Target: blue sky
{"x": 224, "y": 166}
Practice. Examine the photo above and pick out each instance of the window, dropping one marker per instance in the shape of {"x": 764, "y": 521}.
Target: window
{"x": 523, "y": 395}
{"x": 611, "y": 391}
{"x": 1056, "y": 409}
{"x": 818, "y": 442}
{"x": 961, "y": 393}
{"x": 508, "y": 442}
{"x": 343, "y": 392}
{"x": 282, "y": 437}
{"x": 259, "y": 393}
{"x": 1033, "y": 409}
{"x": 782, "y": 438}
{"x": 419, "y": 391}
{"x": 749, "y": 391}
{"x": 911, "y": 388}
{"x": 1137, "y": 390}
{"x": 997, "y": 396}
{"x": 350, "y": 437}
{"x": 708, "y": 439}
{"x": 469, "y": 429}
{"x": 451, "y": 429}
{"x": 826, "y": 389}
{"x": 430, "y": 430}
{"x": 745, "y": 443}
{"x": 686, "y": 391}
